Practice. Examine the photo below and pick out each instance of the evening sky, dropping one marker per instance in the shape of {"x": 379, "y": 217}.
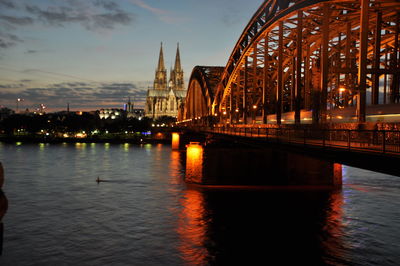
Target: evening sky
{"x": 97, "y": 53}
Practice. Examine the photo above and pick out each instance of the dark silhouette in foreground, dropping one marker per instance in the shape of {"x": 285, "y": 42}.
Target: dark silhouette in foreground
{"x": 3, "y": 207}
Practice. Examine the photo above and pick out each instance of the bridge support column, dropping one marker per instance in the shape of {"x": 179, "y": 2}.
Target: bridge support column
{"x": 324, "y": 63}
{"x": 349, "y": 86}
{"x": 279, "y": 89}
{"x": 377, "y": 59}
{"x": 299, "y": 52}
{"x": 394, "y": 64}
{"x": 231, "y": 112}
{"x": 245, "y": 86}
{"x": 267, "y": 167}
{"x": 307, "y": 79}
{"x": 265, "y": 80}
{"x": 362, "y": 62}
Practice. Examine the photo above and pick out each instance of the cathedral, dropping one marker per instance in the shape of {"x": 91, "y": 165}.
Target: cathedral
{"x": 165, "y": 97}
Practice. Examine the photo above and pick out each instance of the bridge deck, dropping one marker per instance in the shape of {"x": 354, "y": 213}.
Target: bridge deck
{"x": 368, "y": 149}
{"x": 380, "y": 142}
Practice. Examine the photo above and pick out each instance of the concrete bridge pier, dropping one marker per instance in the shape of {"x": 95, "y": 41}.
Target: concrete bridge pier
{"x": 260, "y": 167}
{"x": 180, "y": 140}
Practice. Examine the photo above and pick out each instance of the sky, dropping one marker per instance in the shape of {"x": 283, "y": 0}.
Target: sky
{"x": 95, "y": 54}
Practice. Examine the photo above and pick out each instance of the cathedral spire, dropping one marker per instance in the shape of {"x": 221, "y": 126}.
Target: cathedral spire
{"x": 178, "y": 66}
{"x": 177, "y": 73}
{"x": 160, "y": 81}
{"x": 161, "y": 66}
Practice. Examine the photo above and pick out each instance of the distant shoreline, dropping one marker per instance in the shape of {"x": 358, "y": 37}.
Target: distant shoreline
{"x": 11, "y": 139}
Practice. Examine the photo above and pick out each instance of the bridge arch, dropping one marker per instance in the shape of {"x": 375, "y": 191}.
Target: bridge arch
{"x": 305, "y": 60}
{"x": 200, "y": 94}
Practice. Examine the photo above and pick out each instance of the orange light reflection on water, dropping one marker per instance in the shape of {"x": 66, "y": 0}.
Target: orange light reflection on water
{"x": 194, "y": 163}
{"x": 175, "y": 167}
{"x": 175, "y": 141}
{"x": 192, "y": 229}
{"x": 333, "y": 242}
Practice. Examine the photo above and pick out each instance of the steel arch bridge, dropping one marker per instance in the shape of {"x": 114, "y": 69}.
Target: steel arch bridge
{"x": 302, "y": 60}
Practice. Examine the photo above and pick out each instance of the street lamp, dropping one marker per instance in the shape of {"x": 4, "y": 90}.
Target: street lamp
{"x": 254, "y": 113}
{"x": 18, "y": 100}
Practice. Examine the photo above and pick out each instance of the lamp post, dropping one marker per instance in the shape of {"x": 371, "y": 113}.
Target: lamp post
{"x": 254, "y": 113}
{"x": 18, "y": 100}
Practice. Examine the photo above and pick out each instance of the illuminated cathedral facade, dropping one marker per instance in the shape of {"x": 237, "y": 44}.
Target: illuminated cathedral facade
{"x": 165, "y": 97}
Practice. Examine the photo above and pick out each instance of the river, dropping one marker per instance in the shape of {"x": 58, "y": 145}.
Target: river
{"x": 145, "y": 214}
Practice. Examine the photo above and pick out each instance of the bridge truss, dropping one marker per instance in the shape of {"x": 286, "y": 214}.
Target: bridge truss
{"x": 299, "y": 56}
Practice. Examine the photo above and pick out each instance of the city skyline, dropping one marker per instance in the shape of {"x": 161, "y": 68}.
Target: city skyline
{"x": 96, "y": 54}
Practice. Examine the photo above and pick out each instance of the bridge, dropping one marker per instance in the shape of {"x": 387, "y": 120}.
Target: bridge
{"x": 310, "y": 74}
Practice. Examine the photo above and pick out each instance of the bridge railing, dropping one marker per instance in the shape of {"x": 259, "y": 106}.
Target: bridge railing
{"x": 382, "y": 141}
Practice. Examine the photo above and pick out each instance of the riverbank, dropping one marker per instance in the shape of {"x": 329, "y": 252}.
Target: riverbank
{"x": 117, "y": 140}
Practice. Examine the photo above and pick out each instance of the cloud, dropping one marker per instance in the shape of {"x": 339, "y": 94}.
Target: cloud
{"x": 106, "y": 4}
{"x": 108, "y": 21}
{"x": 7, "y": 4}
{"x": 17, "y": 20}
{"x": 81, "y": 95}
{"x": 95, "y": 15}
{"x": 8, "y": 40}
{"x": 12, "y": 86}
{"x": 61, "y": 15}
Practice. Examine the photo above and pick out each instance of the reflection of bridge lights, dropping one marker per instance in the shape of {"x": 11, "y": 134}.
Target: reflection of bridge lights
{"x": 194, "y": 162}
{"x": 175, "y": 141}
{"x": 193, "y": 228}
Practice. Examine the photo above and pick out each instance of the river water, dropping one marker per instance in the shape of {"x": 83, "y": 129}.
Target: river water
{"x": 146, "y": 215}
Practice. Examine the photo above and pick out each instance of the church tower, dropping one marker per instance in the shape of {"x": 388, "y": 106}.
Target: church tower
{"x": 177, "y": 73}
{"x": 160, "y": 81}
{"x": 164, "y": 99}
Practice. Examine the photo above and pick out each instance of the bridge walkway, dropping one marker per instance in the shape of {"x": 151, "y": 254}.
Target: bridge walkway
{"x": 385, "y": 142}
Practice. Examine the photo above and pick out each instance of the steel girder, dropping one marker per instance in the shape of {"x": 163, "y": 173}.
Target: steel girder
{"x": 303, "y": 55}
